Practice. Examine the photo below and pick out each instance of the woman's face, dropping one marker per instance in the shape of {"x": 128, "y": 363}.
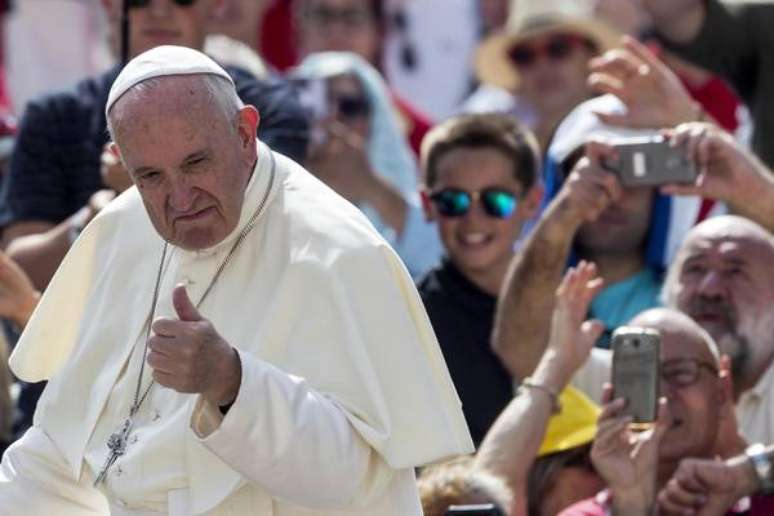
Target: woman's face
{"x": 348, "y": 104}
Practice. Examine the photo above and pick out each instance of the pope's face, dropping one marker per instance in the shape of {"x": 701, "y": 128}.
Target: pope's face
{"x": 190, "y": 163}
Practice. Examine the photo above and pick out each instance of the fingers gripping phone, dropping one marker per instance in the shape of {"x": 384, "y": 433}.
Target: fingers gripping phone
{"x": 636, "y": 373}
{"x": 650, "y": 161}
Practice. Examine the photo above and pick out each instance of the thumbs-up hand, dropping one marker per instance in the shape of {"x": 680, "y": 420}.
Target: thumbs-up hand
{"x": 188, "y": 355}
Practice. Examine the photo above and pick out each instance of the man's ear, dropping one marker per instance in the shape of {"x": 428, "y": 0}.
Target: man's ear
{"x": 114, "y": 150}
{"x": 248, "y": 121}
{"x": 427, "y": 205}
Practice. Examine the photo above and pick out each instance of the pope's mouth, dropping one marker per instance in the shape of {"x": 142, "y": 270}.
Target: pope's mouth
{"x": 194, "y": 216}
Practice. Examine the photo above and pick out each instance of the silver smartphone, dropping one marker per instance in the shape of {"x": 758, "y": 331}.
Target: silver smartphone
{"x": 636, "y": 373}
{"x": 650, "y": 161}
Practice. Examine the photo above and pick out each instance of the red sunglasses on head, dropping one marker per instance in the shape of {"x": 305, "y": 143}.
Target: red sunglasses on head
{"x": 554, "y": 48}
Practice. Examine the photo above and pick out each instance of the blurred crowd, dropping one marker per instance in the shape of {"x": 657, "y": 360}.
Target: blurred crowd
{"x": 486, "y": 141}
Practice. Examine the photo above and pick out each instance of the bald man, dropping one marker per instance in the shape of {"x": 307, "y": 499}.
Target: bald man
{"x": 723, "y": 278}
{"x": 698, "y": 403}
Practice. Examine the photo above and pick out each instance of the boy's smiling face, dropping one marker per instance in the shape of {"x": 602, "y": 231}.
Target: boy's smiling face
{"x": 480, "y": 245}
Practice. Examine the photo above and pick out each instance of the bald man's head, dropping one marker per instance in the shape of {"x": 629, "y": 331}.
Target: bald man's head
{"x": 696, "y": 396}
{"x": 723, "y": 278}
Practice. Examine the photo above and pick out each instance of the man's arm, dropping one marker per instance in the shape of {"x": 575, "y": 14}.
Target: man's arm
{"x": 525, "y": 305}
{"x": 526, "y": 300}
{"x": 296, "y": 432}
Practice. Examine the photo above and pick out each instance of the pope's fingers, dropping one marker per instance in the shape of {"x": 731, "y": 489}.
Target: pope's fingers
{"x": 167, "y": 327}
{"x": 161, "y": 362}
{"x": 184, "y": 307}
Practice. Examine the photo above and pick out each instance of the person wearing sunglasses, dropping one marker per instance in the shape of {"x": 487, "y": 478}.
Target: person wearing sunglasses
{"x": 480, "y": 187}
{"x": 357, "y": 149}
{"x": 540, "y": 58}
{"x": 54, "y": 186}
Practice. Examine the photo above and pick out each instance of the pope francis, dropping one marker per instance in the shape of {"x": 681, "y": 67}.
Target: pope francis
{"x": 229, "y": 337}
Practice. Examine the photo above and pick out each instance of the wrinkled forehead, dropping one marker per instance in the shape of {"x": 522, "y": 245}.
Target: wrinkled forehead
{"x": 738, "y": 246}
{"x": 162, "y": 100}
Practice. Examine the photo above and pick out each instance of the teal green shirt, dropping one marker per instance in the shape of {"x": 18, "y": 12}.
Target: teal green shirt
{"x": 617, "y": 303}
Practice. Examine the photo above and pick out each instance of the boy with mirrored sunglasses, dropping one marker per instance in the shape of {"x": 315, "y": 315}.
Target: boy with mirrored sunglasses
{"x": 480, "y": 188}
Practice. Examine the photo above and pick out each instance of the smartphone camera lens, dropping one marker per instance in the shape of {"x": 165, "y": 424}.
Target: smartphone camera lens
{"x": 636, "y": 343}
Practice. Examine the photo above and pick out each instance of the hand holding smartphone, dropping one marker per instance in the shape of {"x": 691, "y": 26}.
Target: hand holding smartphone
{"x": 650, "y": 161}
{"x": 636, "y": 373}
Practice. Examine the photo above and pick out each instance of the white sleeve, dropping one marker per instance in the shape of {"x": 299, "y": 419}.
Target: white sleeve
{"x": 35, "y": 479}
{"x": 292, "y": 441}
{"x": 593, "y": 374}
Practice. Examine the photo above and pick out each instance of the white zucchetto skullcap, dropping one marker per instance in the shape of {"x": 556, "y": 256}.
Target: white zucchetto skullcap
{"x": 159, "y": 62}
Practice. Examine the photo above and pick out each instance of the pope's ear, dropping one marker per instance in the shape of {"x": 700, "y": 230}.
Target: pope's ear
{"x": 248, "y": 121}
{"x": 114, "y": 150}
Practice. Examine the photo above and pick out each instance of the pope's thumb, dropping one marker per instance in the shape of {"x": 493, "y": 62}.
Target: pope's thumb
{"x": 184, "y": 308}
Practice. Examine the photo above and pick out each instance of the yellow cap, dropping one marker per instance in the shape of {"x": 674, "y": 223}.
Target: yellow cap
{"x": 574, "y": 426}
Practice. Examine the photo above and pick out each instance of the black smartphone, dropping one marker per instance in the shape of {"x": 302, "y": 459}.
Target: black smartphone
{"x": 482, "y": 509}
{"x": 650, "y": 161}
{"x": 636, "y": 373}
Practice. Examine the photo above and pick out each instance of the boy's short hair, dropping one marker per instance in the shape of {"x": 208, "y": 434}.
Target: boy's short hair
{"x": 498, "y": 131}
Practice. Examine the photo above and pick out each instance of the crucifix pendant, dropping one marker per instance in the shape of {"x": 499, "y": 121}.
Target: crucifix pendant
{"x": 117, "y": 444}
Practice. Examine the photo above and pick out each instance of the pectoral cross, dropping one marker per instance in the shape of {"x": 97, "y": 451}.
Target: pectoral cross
{"x": 117, "y": 445}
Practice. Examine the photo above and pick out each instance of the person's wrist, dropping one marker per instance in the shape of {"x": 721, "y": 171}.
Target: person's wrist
{"x": 554, "y": 371}
{"x": 633, "y": 502}
{"x": 637, "y": 499}
{"x": 563, "y": 218}
{"x": 225, "y": 391}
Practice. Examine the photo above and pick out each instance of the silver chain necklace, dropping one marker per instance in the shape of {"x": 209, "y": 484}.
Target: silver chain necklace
{"x": 118, "y": 440}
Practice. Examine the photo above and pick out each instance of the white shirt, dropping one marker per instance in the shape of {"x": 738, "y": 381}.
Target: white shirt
{"x": 755, "y": 410}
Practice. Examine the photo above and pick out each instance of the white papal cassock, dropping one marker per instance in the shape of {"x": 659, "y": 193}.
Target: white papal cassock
{"x": 344, "y": 390}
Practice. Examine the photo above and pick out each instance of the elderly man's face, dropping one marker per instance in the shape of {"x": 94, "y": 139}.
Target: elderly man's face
{"x": 695, "y": 408}
{"x": 725, "y": 283}
{"x": 190, "y": 163}
{"x": 162, "y": 22}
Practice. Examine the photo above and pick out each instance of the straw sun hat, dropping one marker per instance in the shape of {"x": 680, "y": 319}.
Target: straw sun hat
{"x": 530, "y": 18}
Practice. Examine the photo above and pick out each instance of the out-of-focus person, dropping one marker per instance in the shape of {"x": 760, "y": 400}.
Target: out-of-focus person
{"x": 695, "y": 411}
{"x": 729, "y": 38}
{"x": 356, "y": 26}
{"x": 630, "y": 233}
{"x": 357, "y": 149}
{"x": 480, "y": 186}
{"x": 538, "y": 62}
